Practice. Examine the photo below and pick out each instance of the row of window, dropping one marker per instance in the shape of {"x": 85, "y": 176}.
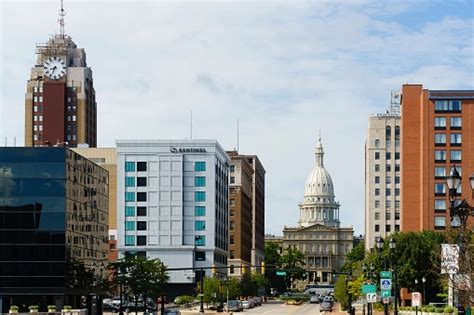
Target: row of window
{"x": 388, "y": 228}
{"x": 132, "y": 240}
{"x": 38, "y": 108}
{"x": 448, "y": 106}
{"x": 388, "y": 191}
{"x": 388, "y": 167}
{"x": 140, "y": 196}
{"x": 388, "y": 216}
{"x": 388, "y": 179}
{"x": 38, "y": 99}
{"x": 38, "y": 127}
{"x": 440, "y": 139}
{"x": 440, "y": 189}
{"x": 38, "y": 89}
{"x": 440, "y": 171}
{"x": 138, "y": 182}
{"x": 140, "y": 211}
{"x": 388, "y": 155}
{"x": 440, "y": 155}
{"x": 455, "y": 122}
{"x": 138, "y": 166}
{"x": 388, "y": 204}
{"x": 130, "y": 225}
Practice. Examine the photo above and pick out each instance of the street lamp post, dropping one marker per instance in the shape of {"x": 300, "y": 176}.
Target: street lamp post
{"x": 380, "y": 243}
{"x": 201, "y": 308}
{"x": 423, "y": 280}
{"x": 392, "y": 244}
{"x": 120, "y": 275}
{"x": 97, "y": 278}
{"x": 461, "y": 213}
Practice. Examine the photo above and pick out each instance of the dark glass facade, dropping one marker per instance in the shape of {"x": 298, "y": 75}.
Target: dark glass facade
{"x": 53, "y": 225}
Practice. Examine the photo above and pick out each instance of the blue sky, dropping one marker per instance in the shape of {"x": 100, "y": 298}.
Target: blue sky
{"x": 285, "y": 69}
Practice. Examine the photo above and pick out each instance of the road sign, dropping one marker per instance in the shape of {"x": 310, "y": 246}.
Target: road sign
{"x": 281, "y": 273}
{"x": 386, "y": 284}
{"x": 416, "y": 299}
{"x": 386, "y": 293}
{"x": 369, "y": 288}
{"x": 371, "y": 297}
{"x": 385, "y": 300}
{"x": 386, "y": 274}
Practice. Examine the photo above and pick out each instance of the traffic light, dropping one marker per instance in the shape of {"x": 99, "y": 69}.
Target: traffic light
{"x": 213, "y": 269}
{"x": 243, "y": 268}
{"x": 263, "y": 268}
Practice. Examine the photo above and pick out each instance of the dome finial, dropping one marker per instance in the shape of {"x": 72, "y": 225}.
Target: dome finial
{"x": 319, "y": 151}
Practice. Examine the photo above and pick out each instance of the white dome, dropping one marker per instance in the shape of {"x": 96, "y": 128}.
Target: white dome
{"x": 319, "y": 182}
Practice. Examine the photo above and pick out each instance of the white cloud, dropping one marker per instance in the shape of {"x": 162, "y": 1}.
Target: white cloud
{"x": 284, "y": 69}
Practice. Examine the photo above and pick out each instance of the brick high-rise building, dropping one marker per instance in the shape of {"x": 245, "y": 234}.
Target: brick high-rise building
{"x": 437, "y": 132}
{"x": 60, "y": 101}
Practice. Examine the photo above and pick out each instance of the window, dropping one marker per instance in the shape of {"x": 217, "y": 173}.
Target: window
{"x": 35, "y": 118}
{"x": 232, "y": 240}
{"x": 129, "y": 240}
{"x": 40, "y": 127}
{"x": 397, "y": 179}
{"x": 141, "y": 181}
{"x": 456, "y": 139}
{"x": 141, "y": 166}
{"x": 199, "y": 196}
{"x": 456, "y": 122}
{"x": 141, "y": 196}
{"x": 440, "y": 205}
{"x": 232, "y": 168}
{"x": 397, "y": 204}
{"x": 231, "y": 269}
{"x": 397, "y": 155}
{"x": 35, "y": 99}
{"x": 388, "y": 168}
{"x": 377, "y": 228}
{"x": 397, "y": 215}
{"x": 377, "y": 167}
{"x": 377, "y": 203}
{"x": 141, "y": 211}
{"x": 232, "y": 180}
{"x": 35, "y": 137}
{"x": 377, "y": 143}
{"x": 388, "y": 180}
{"x": 129, "y": 211}
{"x": 231, "y": 254}
{"x": 397, "y": 144}
{"x": 141, "y": 226}
{"x": 458, "y": 168}
{"x": 377, "y": 191}
{"x": 388, "y": 204}
{"x": 129, "y": 181}
{"x": 35, "y": 108}
{"x": 377, "y": 179}
{"x": 129, "y": 225}
{"x": 397, "y": 132}
{"x": 141, "y": 240}
{"x": 388, "y": 132}
{"x": 74, "y": 118}
{"x": 388, "y": 192}
{"x": 440, "y": 139}
{"x": 397, "y": 228}
{"x": 35, "y": 127}
{"x": 440, "y": 189}
{"x": 440, "y": 222}
{"x": 41, "y": 89}
{"x": 388, "y": 144}
{"x": 456, "y": 156}
{"x": 232, "y": 225}
{"x": 231, "y": 213}
{"x": 35, "y": 89}
{"x": 377, "y": 155}
{"x": 232, "y": 202}
{"x": 199, "y": 211}
{"x": 388, "y": 155}
{"x": 440, "y": 122}
{"x": 441, "y": 106}
{"x": 129, "y": 166}
{"x": 200, "y": 240}
{"x": 440, "y": 155}
{"x": 440, "y": 171}
{"x": 397, "y": 191}
{"x": 388, "y": 228}
{"x": 199, "y": 225}
{"x": 199, "y": 181}
{"x": 377, "y": 216}
{"x": 200, "y": 166}
{"x": 200, "y": 256}
{"x": 455, "y": 105}
{"x": 129, "y": 196}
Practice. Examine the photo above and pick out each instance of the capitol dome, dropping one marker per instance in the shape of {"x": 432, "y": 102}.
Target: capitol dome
{"x": 319, "y": 205}
{"x": 319, "y": 182}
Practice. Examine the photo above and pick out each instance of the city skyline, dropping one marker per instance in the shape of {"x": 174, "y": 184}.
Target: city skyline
{"x": 284, "y": 70}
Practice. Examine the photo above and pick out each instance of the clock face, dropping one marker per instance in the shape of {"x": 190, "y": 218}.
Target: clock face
{"x": 54, "y": 68}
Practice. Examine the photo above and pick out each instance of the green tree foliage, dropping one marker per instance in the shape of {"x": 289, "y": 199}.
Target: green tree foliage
{"x": 211, "y": 289}
{"x": 272, "y": 263}
{"x": 234, "y": 288}
{"x": 340, "y": 291}
{"x": 293, "y": 261}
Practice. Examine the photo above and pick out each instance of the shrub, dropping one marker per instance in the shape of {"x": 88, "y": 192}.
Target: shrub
{"x": 51, "y": 306}
{"x": 449, "y": 309}
{"x": 33, "y": 307}
{"x": 14, "y": 308}
{"x": 439, "y": 310}
{"x": 67, "y": 307}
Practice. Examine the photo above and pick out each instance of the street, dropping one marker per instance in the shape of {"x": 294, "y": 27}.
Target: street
{"x": 279, "y": 308}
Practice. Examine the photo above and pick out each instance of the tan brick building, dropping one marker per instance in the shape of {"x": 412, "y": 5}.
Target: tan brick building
{"x": 437, "y": 129}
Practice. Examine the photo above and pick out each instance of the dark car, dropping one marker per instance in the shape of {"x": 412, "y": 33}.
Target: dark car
{"x": 110, "y": 308}
{"x": 325, "y": 307}
{"x": 235, "y": 306}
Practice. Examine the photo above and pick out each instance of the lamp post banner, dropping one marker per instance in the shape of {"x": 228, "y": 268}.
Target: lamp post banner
{"x": 449, "y": 258}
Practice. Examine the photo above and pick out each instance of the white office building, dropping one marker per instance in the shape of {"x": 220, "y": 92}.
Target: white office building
{"x": 172, "y": 203}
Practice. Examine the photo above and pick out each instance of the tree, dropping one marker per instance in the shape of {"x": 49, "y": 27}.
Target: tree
{"x": 293, "y": 261}
{"x": 272, "y": 263}
{"x": 211, "y": 289}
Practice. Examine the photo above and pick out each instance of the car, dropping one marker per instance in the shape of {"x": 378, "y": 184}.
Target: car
{"x": 329, "y": 299}
{"x": 246, "y": 304}
{"x": 314, "y": 299}
{"x": 258, "y": 300}
{"x": 235, "y": 306}
{"x": 110, "y": 308}
{"x": 325, "y": 307}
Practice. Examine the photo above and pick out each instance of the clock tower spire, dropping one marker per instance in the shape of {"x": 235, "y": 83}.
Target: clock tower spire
{"x": 62, "y": 14}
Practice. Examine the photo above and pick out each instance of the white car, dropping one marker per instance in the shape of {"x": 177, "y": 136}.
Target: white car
{"x": 246, "y": 304}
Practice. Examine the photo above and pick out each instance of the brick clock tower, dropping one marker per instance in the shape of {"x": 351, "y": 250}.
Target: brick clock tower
{"x": 60, "y": 106}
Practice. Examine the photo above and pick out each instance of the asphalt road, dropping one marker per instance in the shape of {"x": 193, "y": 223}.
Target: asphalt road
{"x": 279, "y": 308}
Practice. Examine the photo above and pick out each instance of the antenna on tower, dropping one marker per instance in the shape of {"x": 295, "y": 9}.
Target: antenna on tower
{"x": 62, "y": 14}
{"x": 237, "y": 135}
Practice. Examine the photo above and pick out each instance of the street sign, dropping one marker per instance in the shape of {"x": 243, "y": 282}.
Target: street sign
{"x": 415, "y": 299}
{"x": 386, "y": 274}
{"x": 386, "y": 284}
{"x": 386, "y": 293}
{"x": 371, "y": 297}
{"x": 281, "y": 273}
{"x": 369, "y": 288}
{"x": 385, "y": 300}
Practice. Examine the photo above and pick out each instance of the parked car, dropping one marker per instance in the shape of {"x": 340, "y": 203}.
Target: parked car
{"x": 314, "y": 299}
{"x": 246, "y": 304}
{"x": 235, "y": 306}
{"x": 258, "y": 300}
{"x": 325, "y": 307}
{"x": 109, "y": 307}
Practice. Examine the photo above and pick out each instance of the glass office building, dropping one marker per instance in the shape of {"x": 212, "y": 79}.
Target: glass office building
{"x": 53, "y": 226}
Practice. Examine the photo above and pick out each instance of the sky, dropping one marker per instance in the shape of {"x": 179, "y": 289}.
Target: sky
{"x": 284, "y": 69}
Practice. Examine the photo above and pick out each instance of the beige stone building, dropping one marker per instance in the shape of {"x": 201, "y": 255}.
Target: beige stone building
{"x": 382, "y": 174}
{"x": 318, "y": 235}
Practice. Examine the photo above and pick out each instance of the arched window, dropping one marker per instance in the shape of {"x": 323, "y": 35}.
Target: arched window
{"x": 397, "y": 133}
{"x": 377, "y": 143}
{"x": 388, "y": 132}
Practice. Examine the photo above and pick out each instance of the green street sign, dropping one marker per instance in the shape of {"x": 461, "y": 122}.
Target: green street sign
{"x": 386, "y": 274}
{"x": 386, "y": 293}
{"x": 281, "y": 273}
{"x": 369, "y": 288}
